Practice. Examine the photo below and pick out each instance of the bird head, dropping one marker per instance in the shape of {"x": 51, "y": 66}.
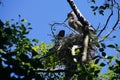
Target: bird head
{"x": 70, "y": 15}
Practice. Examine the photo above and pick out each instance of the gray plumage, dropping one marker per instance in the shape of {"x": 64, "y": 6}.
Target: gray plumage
{"x": 76, "y": 24}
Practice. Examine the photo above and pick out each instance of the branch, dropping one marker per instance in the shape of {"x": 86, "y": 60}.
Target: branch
{"x": 51, "y": 71}
{"x": 109, "y": 17}
{"x": 79, "y": 15}
{"x": 85, "y": 29}
{"x": 61, "y": 23}
{"x": 114, "y": 25}
{"x": 106, "y": 21}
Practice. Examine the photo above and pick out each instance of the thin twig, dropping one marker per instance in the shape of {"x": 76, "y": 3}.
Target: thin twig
{"x": 61, "y": 23}
{"x": 98, "y": 27}
{"x": 114, "y": 27}
{"x": 108, "y": 19}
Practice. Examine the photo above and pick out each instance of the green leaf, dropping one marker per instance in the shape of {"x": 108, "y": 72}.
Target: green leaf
{"x": 77, "y": 51}
{"x": 101, "y": 49}
{"x": 35, "y": 40}
{"x": 30, "y": 28}
{"x": 29, "y": 24}
{"x": 24, "y": 57}
{"x": 24, "y": 20}
{"x": 95, "y": 8}
{"x": 19, "y": 16}
{"x": 103, "y": 54}
{"x": 110, "y": 67}
{"x": 103, "y": 45}
{"x": 92, "y": 6}
{"x": 111, "y": 46}
{"x": 102, "y": 7}
{"x": 96, "y": 72}
{"x": 109, "y": 57}
{"x": 96, "y": 61}
{"x": 93, "y": 1}
{"x": 107, "y": 6}
{"x": 96, "y": 57}
{"x": 102, "y": 64}
{"x": 114, "y": 37}
{"x": 101, "y": 12}
{"x": 118, "y": 62}
{"x": 94, "y": 13}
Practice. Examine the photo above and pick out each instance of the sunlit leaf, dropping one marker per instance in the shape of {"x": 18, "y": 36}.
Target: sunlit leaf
{"x": 24, "y": 20}
{"x": 35, "y": 40}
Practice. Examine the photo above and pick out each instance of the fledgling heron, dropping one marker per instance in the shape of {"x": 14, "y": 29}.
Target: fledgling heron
{"x": 76, "y": 24}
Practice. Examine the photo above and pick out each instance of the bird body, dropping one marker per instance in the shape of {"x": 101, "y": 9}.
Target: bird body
{"x": 61, "y": 34}
{"x": 76, "y": 24}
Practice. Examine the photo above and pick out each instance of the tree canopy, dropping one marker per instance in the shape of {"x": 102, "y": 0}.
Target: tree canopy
{"x": 25, "y": 59}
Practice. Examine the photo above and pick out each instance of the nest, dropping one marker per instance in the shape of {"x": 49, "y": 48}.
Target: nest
{"x": 64, "y": 46}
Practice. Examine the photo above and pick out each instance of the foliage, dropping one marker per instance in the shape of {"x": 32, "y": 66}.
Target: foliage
{"x": 20, "y": 58}
{"x": 16, "y": 52}
{"x": 101, "y": 8}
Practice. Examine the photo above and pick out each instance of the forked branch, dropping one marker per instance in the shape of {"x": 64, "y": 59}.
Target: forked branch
{"x": 116, "y": 23}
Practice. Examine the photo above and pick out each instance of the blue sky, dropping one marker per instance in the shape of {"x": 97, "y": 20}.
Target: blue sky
{"x": 41, "y": 13}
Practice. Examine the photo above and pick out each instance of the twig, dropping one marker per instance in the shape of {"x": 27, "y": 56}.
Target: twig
{"x": 61, "y": 23}
{"x": 98, "y": 26}
{"x": 108, "y": 19}
{"x": 113, "y": 26}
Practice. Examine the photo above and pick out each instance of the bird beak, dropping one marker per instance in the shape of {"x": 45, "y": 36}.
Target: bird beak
{"x": 66, "y": 19}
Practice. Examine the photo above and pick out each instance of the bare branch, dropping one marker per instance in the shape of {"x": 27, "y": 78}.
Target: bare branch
{"x": 114, "y": 27}
{"x": 50, "y": 70}
{"x": 98, "y": 26}
{"x": 108, "y": 19}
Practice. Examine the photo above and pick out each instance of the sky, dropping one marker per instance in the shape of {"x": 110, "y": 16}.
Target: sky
{"x": 41, "y": 13}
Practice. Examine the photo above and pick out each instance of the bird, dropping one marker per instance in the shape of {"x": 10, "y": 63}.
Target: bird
{"x": 61, "y": 34}
{"x": 74, "y": 23}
